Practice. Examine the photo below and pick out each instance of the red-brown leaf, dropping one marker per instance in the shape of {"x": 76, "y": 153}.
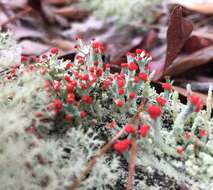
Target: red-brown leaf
{"x": 184, "y": 63}
{"x": 178, "y": 32}
{"x": 195, "y": 43}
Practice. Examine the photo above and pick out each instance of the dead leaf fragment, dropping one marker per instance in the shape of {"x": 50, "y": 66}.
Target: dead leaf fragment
{"x": 178, "y": 32}
{"x": 150, "y": 40}
{"x": 71, "y": 12}
{"x": 64, "y": 45}
{"x": 195, "y": 43}
{"x": 186, "y": 62}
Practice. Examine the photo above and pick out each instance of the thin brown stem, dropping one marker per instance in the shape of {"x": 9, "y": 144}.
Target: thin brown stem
{"x": 105, "y": 148}
{"x": 132, "y": 163}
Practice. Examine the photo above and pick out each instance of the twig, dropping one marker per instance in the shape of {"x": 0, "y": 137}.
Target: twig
{"x": 104, "y": 149}
{"x": 15, "y": 17}
{"x": 132, "y": 163}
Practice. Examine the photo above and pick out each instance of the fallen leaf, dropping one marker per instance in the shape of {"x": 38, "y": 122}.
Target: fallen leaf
{"x": 62, "y": 44}
{"x": 35, "y": 4}
{"x": 195, "y": 43}
{"x": 187, "y": 62}
{"x": 71, "y": 12}
{"x": 150, "y": 40}
{"x": 178, "y": 32}
{"x": 205, "y": 34}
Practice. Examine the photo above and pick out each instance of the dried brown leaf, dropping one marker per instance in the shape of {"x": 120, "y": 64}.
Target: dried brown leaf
{"x": 64, "y": 45}
{"x": 187, "y": 62}
{"x": 150, "y": 40}
{"x": 71, "y": 12}
{"x": 195, "y": 43}
{"x": 178, "y": 32}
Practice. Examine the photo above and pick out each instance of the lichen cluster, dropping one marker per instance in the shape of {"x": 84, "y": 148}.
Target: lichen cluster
{"x": 64, "y": 119}
{"x": 123, "y": 12}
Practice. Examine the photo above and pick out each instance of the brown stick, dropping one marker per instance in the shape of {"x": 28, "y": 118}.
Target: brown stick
{"x": 104, "y": 149}
{"x": 131, "y": 173}
{"x": 92, "y": 162}
{"x": 15, "y": 17}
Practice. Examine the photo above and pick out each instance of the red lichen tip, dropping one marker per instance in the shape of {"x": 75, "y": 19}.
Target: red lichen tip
{"x": 68, "y": 66}
{"x": 68, "y": 117}
{"x": 82, "y": 114}
{"x": 180, "y": 150}
{"x": 119, "y": 103}
{"x": 144, "y": 129}
{"x": 143, "y": 76}
{"x": 70, "y": 98}
{"x": 129, "y": 128}
{"x": 57, "y": 105}
{"x": 24, "y": 58}
{"x": 120, "y": 83}
{"x": 54, "y": 50}
{"x": 161, "y": 101}
{"x": 98, "y": 47}
{"x": 87, "y": 99}
{"x": 196, "y": 101}
{"x": 122, "y": 145}
{"x": 167, "y": 86}
{"x": 138, "y": 51}
{"x": 132, "y": 66}
{"x": 120, "y": 91}
{"x": 132, "y": 95}
{"x": 124, "y": 65}
{"x": 154, "y": 111}
{"x": 203, "y": 133}
{"x": 106, "y": 84}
